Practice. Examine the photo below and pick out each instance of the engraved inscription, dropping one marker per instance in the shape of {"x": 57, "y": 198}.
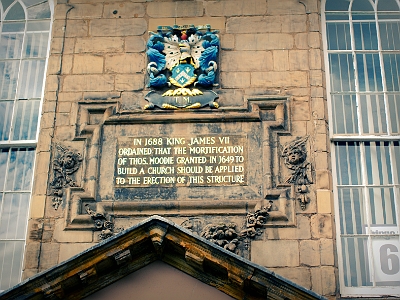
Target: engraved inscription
{"x": 181, "y": 161}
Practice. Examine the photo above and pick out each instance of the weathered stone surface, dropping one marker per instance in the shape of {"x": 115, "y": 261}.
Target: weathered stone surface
{"x": 281, "y": 60}
{"x": 117, "y": 27}
{"x": 268, "y": 41}
{"x": 48, "y": 255}
{"x": 71, "y": 249}
{"x": 295, "y": 23}
{"x": 246, "y": 61}
{"x": 123, "y": 10}
{"x": 301, "y": 40}
{"x": 298, "y": 60}
{"x": 235, "y": 79}
{"x": 310, "y": 252}
{"x": 254, "y": 24}
{"x": 134, "y": 82}
{"x": 286, "y": 253}
{"x": 86, "y": 11}
{"x": 301, "y": 111}
{"x": 299, "y": 275}
{"x": 124, "y": 63}
{"x": 235, "y": 8}
{"x": 68, "y": 236}
{"x": 88, "y": 64}
{"x": 327, "y": 252}
{"x": 300, "y": 232}
{"x": 279, "y": 79}
{"x": 287, "y": 7}
{"x": 324, "y": 201}
{"x": 323, "y": 280}
{"x": 77, "y": 28}
{"x": 99, "y": 44}
{"x": 32, "y": 252}
{"x": 73, "y": 83}
{"x": 175, "y": 9}
{"x": 135, "y": 44}
{"x": 217, "y": 23}
{"x": 321, "y": 226}
{"x": 227, "y": 41}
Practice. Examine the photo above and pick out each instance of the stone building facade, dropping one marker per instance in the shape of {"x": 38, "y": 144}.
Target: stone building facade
{"x": 273, "y": 101}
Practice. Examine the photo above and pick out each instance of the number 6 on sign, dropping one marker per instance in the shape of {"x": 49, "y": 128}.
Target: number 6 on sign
{"x": 386, "y": 254}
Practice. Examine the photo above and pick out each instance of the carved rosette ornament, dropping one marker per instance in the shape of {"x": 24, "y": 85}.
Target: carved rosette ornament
{"x": 103, "y": 222}
{"x": 295, "y": 158}
{"x": 66, "y": 163}
{"x": 182, "y": 67}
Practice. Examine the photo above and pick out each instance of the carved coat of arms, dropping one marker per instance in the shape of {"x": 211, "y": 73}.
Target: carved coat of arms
{"x": 182, "y": 67}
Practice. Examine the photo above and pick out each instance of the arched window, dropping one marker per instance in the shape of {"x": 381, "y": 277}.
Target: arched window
{"x": 24, "y": 40}
{"x": 362, "y": 54}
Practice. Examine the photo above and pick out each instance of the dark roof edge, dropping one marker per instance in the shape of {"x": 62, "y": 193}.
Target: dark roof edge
{"x": 38, "y": 281}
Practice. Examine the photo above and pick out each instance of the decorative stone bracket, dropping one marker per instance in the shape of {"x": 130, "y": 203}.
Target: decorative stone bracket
{"x": 295, "y": 158}
{"x": 66, "y": 163}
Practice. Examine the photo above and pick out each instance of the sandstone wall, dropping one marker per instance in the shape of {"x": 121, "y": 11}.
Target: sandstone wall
{"x": 268, "y": 48}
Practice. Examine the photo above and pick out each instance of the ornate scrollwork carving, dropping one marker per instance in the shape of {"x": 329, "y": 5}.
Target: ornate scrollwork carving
{"x": 66, "y": 163}
{"x": 103, "y": 222}
{"x": 223, "y": 235}
{"x": 295, "y": 158}
{"x": 226, "y": 235}
{"x": 255, "y": 221}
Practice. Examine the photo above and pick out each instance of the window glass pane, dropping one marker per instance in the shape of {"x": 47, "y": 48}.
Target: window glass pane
{"x": 31, "y": 79}
{"x": 6, "y": 111}
{"x": 338, "y": 36}
{"x": 373, "y": 114}
{"x": 35, "y": 45}
{"x": 392, "y": 63}
{"x": 396, "y": 163}
{"x": 361, "y": 5}
{"x": 348, "y": 163}
{"x": 335, "y": 5}
{"x": 16, "y": 12}
{"x": 38, "y": 26}
{"x": 336, "y": 16}
{"x": 8, "y": 79}
{"x": 351, "y": 210}
{"x": 11, "y": 45}
{"x": 14, "y": 27}
{"x": 355, "y": 261}
{"x": 394, "y": 111}
{"x": 3, "y": 167}
{"x": 11, "y": 253}
{"x": 362, "y": 16}
{"x": 6, "y": 3}
{"x": 344, "y": 114}
{"x": 365, "y": 36}
{"x": 387, "y": 5}
{"x": 41, "y": 11}
{"x": 388, "y": 16}
{"x": 382, "y": 205}
{"x": 369, "y": 73}
{"x": 342, "y": 73}
{"x": 14, "y": 216}
{"x": 26, "y": 120}
{"x": 378, "y": 164}
{"x": 388, "y": 32}
{"x": 29, "y": 3}
{"x": 20, "y": 169}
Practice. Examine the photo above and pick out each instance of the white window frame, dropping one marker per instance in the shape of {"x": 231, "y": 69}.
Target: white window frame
{"x": 11, "y": 144}
{"x": 361, "y": 291}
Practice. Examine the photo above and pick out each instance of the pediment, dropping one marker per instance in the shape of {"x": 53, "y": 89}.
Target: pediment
{"x": 157, "y": 239}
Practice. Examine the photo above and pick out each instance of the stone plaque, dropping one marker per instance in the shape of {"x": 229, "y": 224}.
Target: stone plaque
{"x": 204, "y": 160}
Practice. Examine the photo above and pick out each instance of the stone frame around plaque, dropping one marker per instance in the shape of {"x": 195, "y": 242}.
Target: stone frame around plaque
{"x": 270, "y": 115}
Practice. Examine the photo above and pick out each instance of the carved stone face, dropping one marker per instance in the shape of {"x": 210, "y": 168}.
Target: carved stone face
{"x": 295, "y": 157}
{"x": 69, "y": 161}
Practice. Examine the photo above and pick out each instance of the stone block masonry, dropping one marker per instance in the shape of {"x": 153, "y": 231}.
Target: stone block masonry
{"x": 268, "y": 48}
